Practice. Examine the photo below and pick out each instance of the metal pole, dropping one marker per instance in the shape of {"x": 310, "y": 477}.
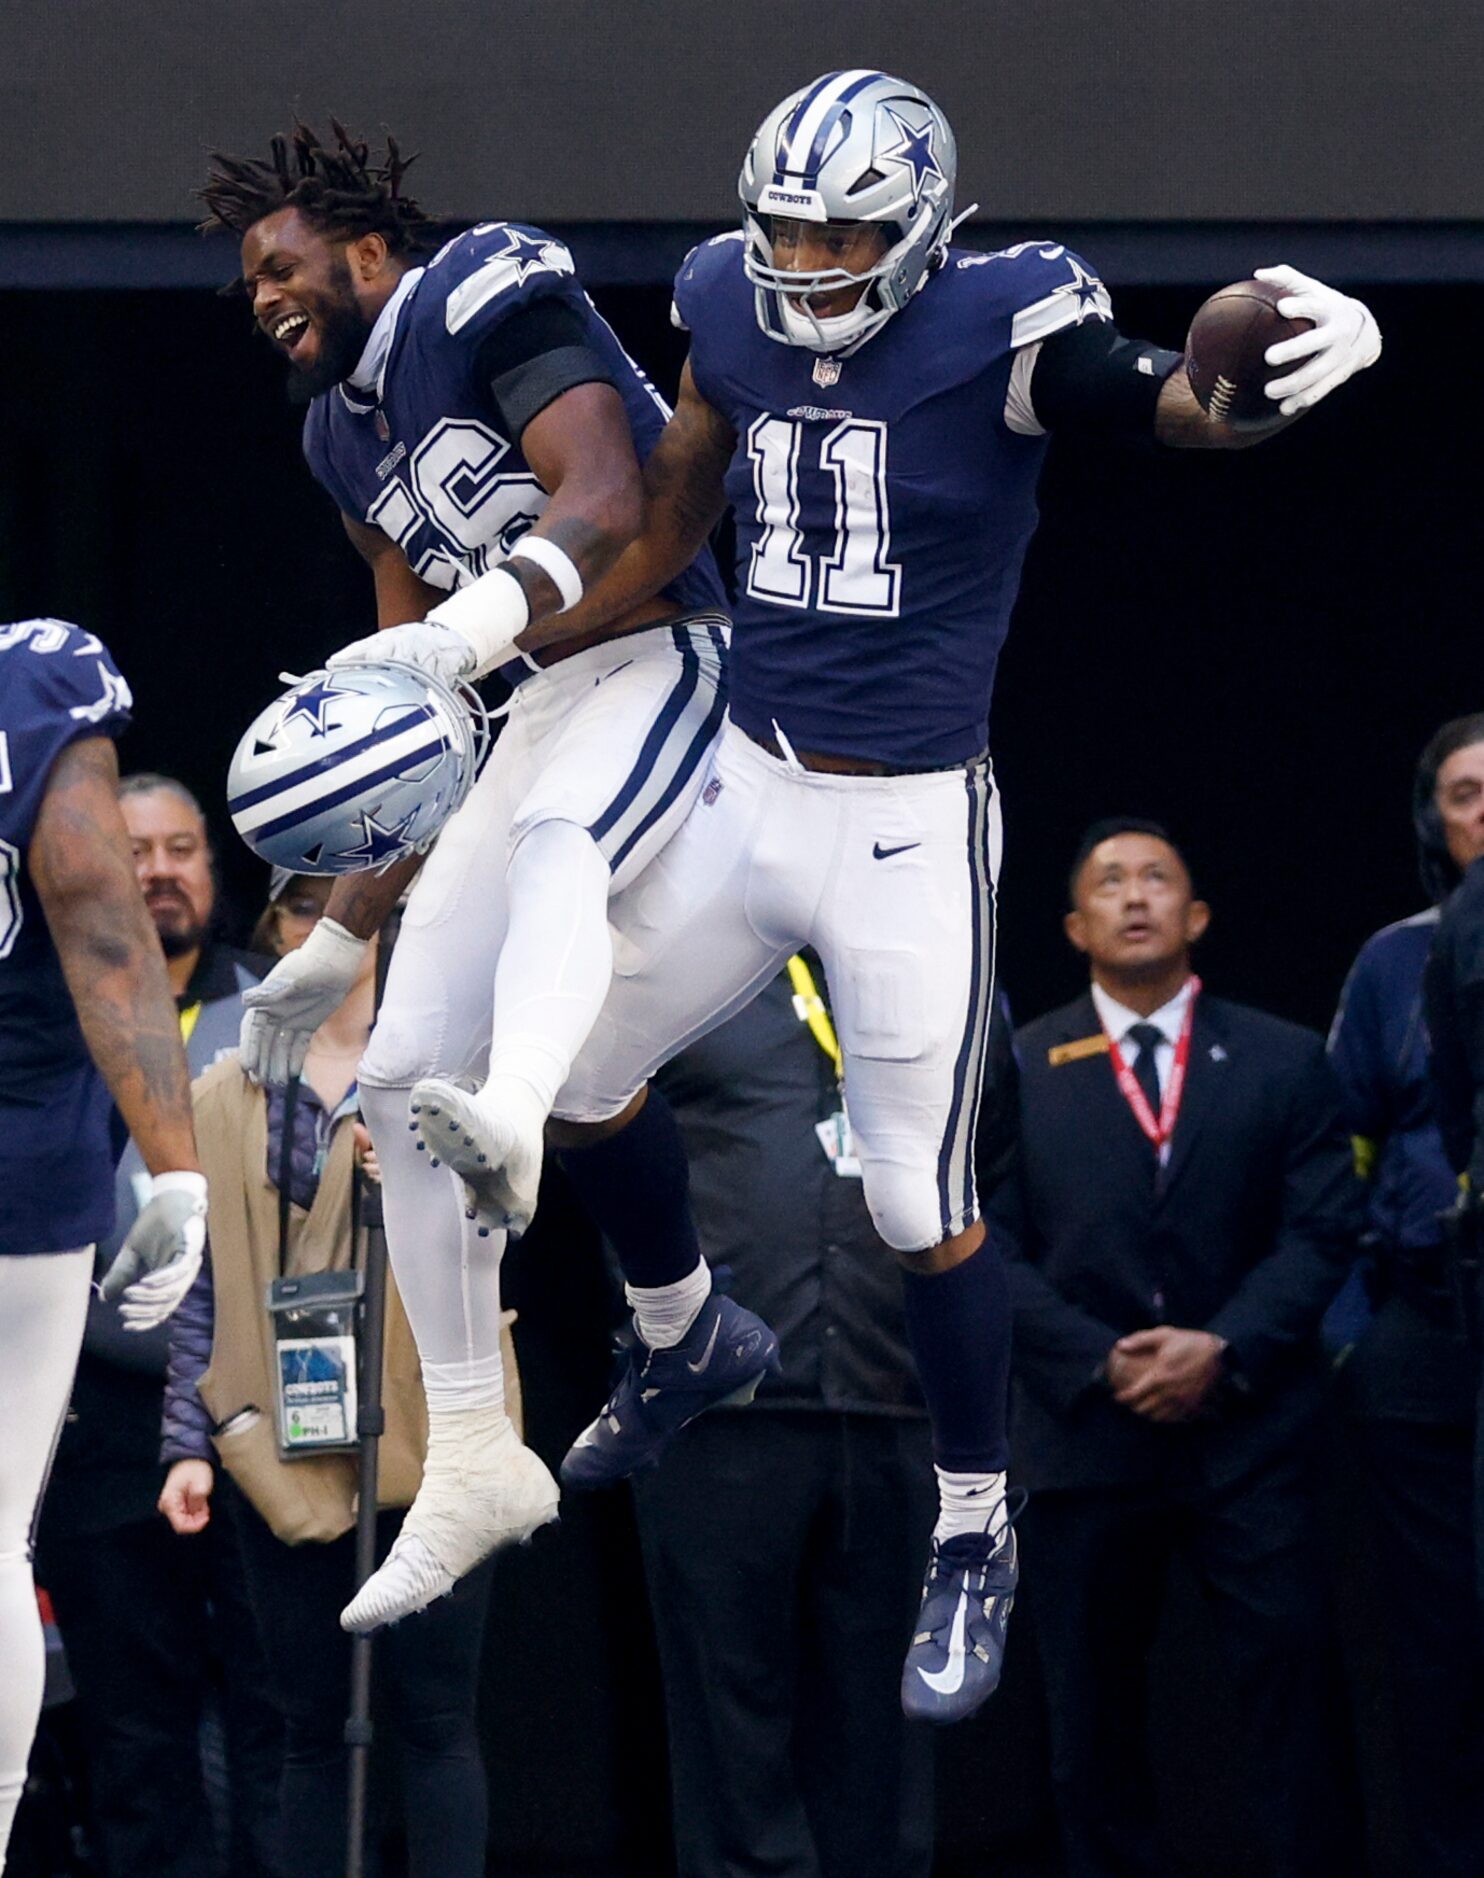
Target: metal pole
{"x": 370, "y": 1424}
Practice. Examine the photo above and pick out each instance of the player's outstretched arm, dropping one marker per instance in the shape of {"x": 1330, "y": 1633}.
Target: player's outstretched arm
{"x": 79, "y": 864}
{"x": 684, "y": 499}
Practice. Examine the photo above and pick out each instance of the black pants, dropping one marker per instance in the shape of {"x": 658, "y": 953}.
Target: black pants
{"x": 784, "y": 1555}
{"x": 143, "y": 1613}
{"x": 1420, "y": 1487}
{"x": 428, "y": 1667}
{"x": 1094, "y": 1569}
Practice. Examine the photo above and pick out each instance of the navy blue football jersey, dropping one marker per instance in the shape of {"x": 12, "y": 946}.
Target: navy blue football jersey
{"x": 422, "y": 455}
{"x": 884, "y": 501}
{"x": 57, "y": 683}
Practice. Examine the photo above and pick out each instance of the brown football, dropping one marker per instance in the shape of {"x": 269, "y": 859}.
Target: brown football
{"x": 1224, "y": 351}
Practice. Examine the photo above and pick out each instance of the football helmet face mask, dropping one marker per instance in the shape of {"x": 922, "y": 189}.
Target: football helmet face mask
{"x": 356, "y": 768}
{"x": 850, "y": 147}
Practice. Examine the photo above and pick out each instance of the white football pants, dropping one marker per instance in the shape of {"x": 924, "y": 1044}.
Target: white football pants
{"x": 892, "y": 881}
{"x": 43, "y": 1305}
{"x": 505, "y": 937}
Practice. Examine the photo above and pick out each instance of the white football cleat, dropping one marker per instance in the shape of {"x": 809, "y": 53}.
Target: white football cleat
{"x": 482, "y": 1489}
{"x": 493, "y": 1141}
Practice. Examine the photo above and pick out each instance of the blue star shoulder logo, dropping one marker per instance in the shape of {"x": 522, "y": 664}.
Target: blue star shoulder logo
{"x": 1087, "y": 290}
{"x": 379, "y": 844}
{"x": 313, "y": 705}
{"x": 914, "y": 150}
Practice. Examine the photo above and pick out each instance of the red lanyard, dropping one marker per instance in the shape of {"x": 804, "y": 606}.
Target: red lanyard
{"x": 1158, "y": 1132}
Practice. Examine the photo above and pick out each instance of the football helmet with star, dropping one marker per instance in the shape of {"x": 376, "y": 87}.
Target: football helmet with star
{"x": 850, "y": 147}
{"x": 355, "y": 768}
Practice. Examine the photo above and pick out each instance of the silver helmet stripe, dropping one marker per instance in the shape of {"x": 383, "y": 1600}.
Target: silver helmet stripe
{"x": 801, "y": 158}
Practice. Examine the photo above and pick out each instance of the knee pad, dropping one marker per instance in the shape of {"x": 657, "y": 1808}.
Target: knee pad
{"x": 903, "y": 1203}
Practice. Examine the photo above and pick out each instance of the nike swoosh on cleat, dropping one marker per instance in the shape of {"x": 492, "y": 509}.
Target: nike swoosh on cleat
{"x": 878, "y": 853}
{"x": 696, "y": 1368}
{"x": 950, "y": 1678}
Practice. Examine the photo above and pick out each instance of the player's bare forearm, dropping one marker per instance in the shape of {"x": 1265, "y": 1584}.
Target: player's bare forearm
{"x": 401, "y": 596}
{"x": 582, "y": 450}
{"x": 110, "y": 953}
{"x": 684, "y": 499}
{"x": 362, "y": 902}
{"x": 1180, "y": 422}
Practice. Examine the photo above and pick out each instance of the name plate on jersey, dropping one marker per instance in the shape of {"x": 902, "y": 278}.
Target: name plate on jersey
{"x": 315, "y": 1319}
{"x": 838, "y": 1144}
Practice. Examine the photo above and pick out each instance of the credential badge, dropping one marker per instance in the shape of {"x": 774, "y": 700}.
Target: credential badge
{"x": 826, "y": 373}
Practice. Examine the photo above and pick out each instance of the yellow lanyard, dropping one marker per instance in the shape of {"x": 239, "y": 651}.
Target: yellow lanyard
{"x": 188, "y": 1020}
{"x": 810, "y": 1008}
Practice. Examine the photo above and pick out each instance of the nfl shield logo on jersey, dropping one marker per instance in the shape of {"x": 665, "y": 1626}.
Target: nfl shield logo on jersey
{"x": 826, "y": 373}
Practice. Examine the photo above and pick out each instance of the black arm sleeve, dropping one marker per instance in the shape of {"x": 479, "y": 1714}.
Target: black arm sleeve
{"x": 1090, "y": 379}
{"x": 533, "y": 357}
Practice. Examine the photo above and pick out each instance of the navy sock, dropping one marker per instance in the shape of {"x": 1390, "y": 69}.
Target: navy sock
{"x": 636, "y": 1185}
{"x": 958, "y": 1323}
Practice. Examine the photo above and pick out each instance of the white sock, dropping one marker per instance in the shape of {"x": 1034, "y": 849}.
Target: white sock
{"x": 556, "y": 960}
{"x": 663, "y": 1313}
{"x": 448, "y": 1278}
{"x": 969, "y": 1503}
{"x": 479, "y": 1384}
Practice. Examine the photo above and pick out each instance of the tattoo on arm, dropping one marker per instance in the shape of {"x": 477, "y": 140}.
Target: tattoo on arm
{"x": 1180, "y": 422}
{"x": 361, "y": 903}
{"x": 110, "y": 952}
{"x": 684, "y": 498}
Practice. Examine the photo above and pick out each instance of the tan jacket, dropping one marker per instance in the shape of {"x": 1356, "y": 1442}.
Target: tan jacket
{"x": 312, "y": 1497}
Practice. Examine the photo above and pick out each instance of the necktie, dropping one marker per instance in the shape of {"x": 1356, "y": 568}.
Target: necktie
{"x": 1146, "y": 1068}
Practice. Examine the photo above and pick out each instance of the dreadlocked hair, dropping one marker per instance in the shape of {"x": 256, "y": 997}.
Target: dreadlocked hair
{"x": 337, "y": 188}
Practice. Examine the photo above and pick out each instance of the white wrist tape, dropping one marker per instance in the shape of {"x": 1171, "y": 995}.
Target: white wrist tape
{"x": 193, "y": 1185}
{"x": 555, "y": 563}
{"x": 490, "y": 614}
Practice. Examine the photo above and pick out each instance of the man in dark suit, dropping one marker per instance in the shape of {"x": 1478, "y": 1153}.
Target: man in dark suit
{"x": 1183, "y": 1212}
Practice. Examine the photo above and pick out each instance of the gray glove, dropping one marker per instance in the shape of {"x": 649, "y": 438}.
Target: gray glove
{"x": 296, "y": 997}
{"x": 158, "y": 1261}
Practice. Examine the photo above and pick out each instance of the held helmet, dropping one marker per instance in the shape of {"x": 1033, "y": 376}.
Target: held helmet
{"x": 355, "y": 768}
{"x": 850, "y": 147}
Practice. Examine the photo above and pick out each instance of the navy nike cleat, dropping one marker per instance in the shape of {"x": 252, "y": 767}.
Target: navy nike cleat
{"x": 722, "y": 1358}
{"x": 953, "y": 1664}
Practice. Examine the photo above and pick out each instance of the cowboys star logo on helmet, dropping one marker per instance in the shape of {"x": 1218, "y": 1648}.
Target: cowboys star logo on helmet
{"x": 355, "y": 769}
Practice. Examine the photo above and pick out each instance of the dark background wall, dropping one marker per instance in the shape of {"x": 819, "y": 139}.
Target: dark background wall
{"x": 576, "y": 110}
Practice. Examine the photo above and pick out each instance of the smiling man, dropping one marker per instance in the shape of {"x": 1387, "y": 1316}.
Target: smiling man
{"x": 1183, "y": 1211}
{"x": 481, "y": 431}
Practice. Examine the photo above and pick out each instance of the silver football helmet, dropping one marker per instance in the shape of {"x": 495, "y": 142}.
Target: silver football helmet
{"x": 850, "y": 147}
{"x": 355, "y": 768}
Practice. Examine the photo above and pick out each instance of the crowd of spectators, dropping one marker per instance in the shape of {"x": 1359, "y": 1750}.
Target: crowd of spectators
{"x": 1228, "y": 1260}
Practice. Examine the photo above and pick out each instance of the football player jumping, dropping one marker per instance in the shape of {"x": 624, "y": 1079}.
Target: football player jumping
{"x": 873, "y": 405}
{"x": 87, "y": 1021}
{"x": 480, "y": 428}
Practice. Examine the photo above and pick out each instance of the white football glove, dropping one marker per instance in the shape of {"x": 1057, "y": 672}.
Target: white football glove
{"x": 158, "y": 1261}
{"x": 288, "y": 1007}
{"x": 1343, "y": 340}
{"x": 431, "y": 647}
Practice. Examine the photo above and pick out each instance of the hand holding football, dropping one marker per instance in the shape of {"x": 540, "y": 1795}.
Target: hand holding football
{"x": 1226, "y": 351}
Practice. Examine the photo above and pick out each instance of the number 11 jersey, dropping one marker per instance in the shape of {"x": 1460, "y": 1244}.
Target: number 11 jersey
{"x": 884, "y": 501}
